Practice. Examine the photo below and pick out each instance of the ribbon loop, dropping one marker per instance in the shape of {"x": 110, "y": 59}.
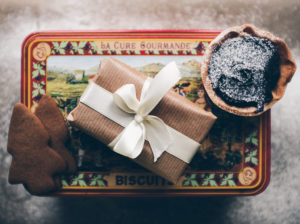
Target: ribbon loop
{"x": 158, "y": 135}
{"x": 143, "y": 127}
{"x": 130, "y": 141}
{"x": 125, "y": 98}
{"x": 158, "y": 87}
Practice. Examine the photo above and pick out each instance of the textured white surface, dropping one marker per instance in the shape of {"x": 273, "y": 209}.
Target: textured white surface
{"x": 278, "y": 204}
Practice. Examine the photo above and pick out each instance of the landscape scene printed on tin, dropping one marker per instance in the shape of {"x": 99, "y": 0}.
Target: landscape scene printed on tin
{"x": 68, "y": 76}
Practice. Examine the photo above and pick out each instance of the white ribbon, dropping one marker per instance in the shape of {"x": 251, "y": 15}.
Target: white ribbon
{"x": 124, "y": 108}
{"x": 130, "y": 141}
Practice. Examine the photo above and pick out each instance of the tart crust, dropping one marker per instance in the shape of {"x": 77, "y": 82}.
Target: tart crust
{"x": 287, "y": 68}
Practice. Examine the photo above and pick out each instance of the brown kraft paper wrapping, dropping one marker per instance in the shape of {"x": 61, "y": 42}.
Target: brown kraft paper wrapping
{"x": 175, "y": 110}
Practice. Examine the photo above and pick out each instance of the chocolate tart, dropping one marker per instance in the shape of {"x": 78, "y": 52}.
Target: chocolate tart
{"x": 265, "y": 88}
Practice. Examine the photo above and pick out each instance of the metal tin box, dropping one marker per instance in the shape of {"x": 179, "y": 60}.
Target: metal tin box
{"x": 234, "y": 158}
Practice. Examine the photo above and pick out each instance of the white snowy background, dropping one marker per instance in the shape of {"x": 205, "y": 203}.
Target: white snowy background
{"x": 279, "y": 203}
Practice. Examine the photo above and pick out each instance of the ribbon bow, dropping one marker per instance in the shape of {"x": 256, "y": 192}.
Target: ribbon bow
{"x": 143, "y": 127}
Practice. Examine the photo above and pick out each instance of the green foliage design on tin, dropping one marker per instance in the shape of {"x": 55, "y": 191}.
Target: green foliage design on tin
{"x": 79, "y": 180}
{"x": 209, "y": 180}
{"x": 227, "y": 180}
{"x": 77, "y": 48}
{"x": 196, "y": 44}
{"x": 97, "y": 180}
{"x": 154, "y": 52}
{"x": 38, "y": 69}
{"x": 193, "y": 51}
{"x": 191, "y": 180}
{"x": 252, "y": 138}
{"x": 251, "y": 156}
{"x": 94, "y": 48}
{"x": 205, "y": 45}
{"x": 59, "y": 48}
{"x": 38, "y": 89}
{"x": 64, "y": 183}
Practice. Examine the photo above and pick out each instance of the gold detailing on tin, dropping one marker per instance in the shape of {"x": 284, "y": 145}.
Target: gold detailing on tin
{"x": 41, "y": 51}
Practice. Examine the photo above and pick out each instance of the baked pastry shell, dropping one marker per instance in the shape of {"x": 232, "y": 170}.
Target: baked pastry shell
{"x": 287, "y": 68}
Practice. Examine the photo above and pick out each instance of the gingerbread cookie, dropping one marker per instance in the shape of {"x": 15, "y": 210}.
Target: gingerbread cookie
{"x": 53, "y": 121}
{"x": 34, "y": 163}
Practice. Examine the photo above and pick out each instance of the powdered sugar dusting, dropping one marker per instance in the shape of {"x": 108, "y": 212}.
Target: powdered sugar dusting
{"x": 244, "y": 70}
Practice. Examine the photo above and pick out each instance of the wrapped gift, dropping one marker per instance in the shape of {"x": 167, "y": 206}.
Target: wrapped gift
{"x": 142, "y": 118}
